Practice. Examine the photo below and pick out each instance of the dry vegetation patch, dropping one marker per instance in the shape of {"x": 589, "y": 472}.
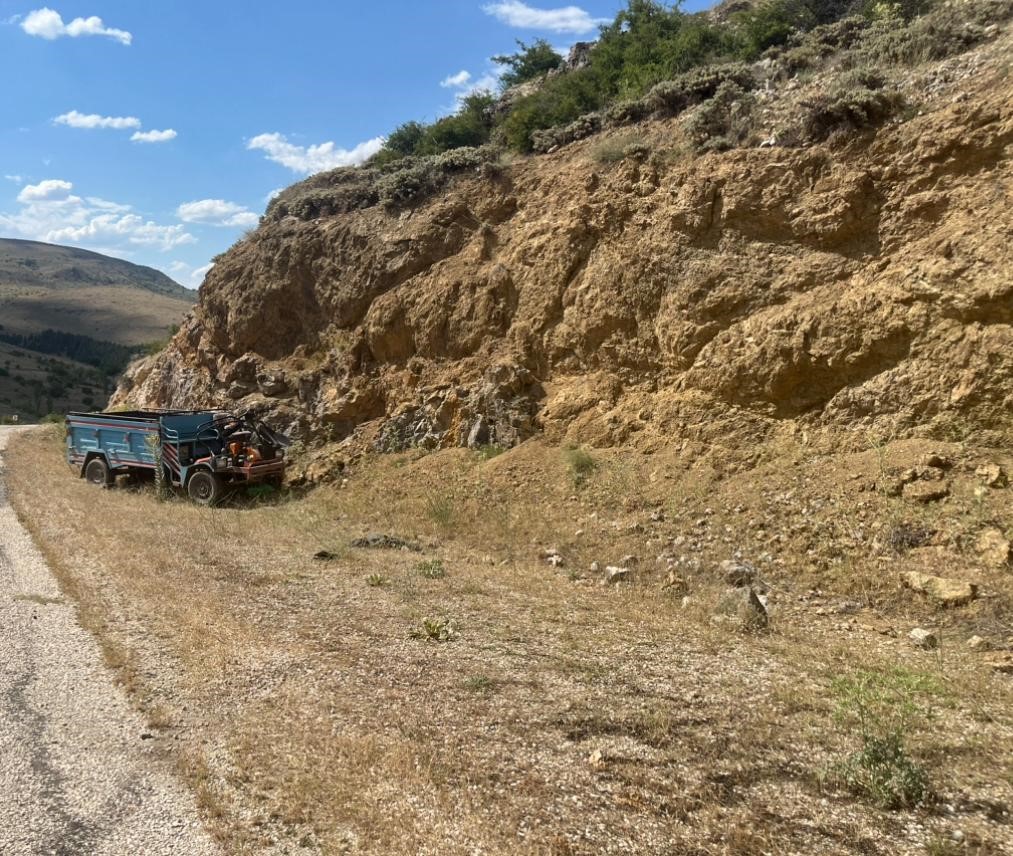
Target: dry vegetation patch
{"x": 561, "y": 715}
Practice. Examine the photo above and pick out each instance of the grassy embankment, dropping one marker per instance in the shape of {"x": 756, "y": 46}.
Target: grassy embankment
{"x": 562, "y": 716}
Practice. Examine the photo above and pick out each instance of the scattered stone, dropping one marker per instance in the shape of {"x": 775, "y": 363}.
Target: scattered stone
{"x": 1002, "y": 663}
{"x": 742, "y": 607}
{"x": 926, "y": 491}
{"x": 272, "y": 384}
{"x": 993, "y": 475}
{"x": 555, "y": 560}
{"x": 629, "y": 561}
{"x": 945, "y": 591}
{"x": 239, "y": 390}
{"x": 994, "y": 549}
{"x": 325, "y": 556}
{"x": 380, "y": 541}
{"x": 976, "y": 643}
{"x": 922, "y": 638}
{"x": 737, "y": 574}
{"x": 936, "y": 460}
{"x": 595, "y": 568}
{"x": 596, "y": 759}
{"x": 675, "y": 584}
{"x": 615, "y": 575}
{"x": 848, "y": 607}
{"x": 686, "y": 602}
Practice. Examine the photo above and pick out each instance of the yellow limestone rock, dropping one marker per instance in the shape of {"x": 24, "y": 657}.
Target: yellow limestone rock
{"x": 943, "y": 590}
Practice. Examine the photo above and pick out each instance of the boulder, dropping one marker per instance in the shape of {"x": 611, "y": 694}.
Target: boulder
{"x": 922, "y": 638}
{"x": 993, "y": 475}
{"x": 742, "y": 607}
{"x": 944, "y": 590}
{"x": 272, "y": 383}
{"x": 737, "y": 574}
{"x": 615, "y": 575}
{"x": 926, "y": 491}
{"x": 993, "y": 548}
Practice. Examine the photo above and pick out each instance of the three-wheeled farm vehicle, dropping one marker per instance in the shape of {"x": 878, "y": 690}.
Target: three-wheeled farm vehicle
{"x": 205, "y": 453}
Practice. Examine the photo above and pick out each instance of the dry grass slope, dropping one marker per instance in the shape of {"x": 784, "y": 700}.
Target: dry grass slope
{"x": 564, "y": 716}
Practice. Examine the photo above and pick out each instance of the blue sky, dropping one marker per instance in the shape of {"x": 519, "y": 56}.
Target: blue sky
{"x": 157, "y": 131}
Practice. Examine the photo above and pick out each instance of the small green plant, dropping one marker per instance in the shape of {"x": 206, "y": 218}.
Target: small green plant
{"x": 480, "y": 684}
{"x": 490, "y": 451}
{"x": 724, "y": 121}
{"x": 376, "y": 581}
{"x": 581, "y": 465}
{"x": 620, "y": 148}
{"x": 440, "y": 509}
{"x": 431, "y": 570}
{"x": 435, "y": 630}
{"x": 883, "y": 707}
{"x": 261, "y": 492}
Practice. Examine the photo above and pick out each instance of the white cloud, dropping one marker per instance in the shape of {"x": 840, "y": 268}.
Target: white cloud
{"x": 17, "y": 179}
{"x": 47, "y": 24}
{"x": 568, "y": 19}
{"x": 51, "y": 212}
{"x": 197, "y": 275}
{"x": 313, "y": 159}
{"x": 50, "y": 190}
{"x": 90, "y": 121}
{"x": 455, "y": 81}
{"x": 272, "y": 194}
{"x": 464, "y": 85}
{"x": 154, "y": 136}
{"x": 189, "y": 276}
{"x": 216, "y": 212}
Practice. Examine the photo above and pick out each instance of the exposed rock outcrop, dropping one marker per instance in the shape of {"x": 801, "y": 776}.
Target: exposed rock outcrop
{"x": 844, "y": 290}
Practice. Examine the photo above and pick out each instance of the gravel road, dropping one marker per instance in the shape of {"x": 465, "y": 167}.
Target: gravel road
{"x": 79, "y": 773}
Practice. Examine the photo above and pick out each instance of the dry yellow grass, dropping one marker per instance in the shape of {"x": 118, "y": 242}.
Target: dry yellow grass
{"x": 566, "y": 717}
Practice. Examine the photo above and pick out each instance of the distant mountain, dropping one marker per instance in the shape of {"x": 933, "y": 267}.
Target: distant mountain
{"x": 49, "y": 287}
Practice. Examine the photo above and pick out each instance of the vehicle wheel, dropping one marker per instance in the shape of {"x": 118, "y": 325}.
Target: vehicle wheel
{"x": 204, "y": 488}
{"x": 97, "y": 473}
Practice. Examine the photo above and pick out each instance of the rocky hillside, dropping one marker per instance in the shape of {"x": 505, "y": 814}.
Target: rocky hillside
{"x": 851, "y": 285}
{"x": 49, "y": 287}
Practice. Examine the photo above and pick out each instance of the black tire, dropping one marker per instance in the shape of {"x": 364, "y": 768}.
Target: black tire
{"x": 96, "y": 472}
{"x": 204, "y": 488}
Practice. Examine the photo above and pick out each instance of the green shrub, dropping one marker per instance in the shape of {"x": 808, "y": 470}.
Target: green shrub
{"x": 435, "y": 630}
{"x": 626, "y": 112}
{"x": 376, "y": 581}
{"x": 406, "y": 139}
{"x": 882, "y": 708}
{"x": 441, "y": 510}
{"x": 809, "y": 50}
{"x": 560, "y": 101}
{"x": 856, "y": 100}
{"x": 586, "y": 126}
{"x": 480, "y": 684}
{"x": 619, "y": 148}
{"x": 530, "y": 62}
{"x": 327, "y": 194}
{"x": 431, "y": 570}
{"x": 416, "y": 178}
{"x": 581, "y": 465}
{"x": 771, "y": 23}
{"x": 722, "y": 122}
{"x": 946, "y": 29}
{"x": 674, "y": 96}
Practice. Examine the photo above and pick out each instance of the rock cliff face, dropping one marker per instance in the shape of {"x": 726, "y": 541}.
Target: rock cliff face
{"x": 853, "y": 290}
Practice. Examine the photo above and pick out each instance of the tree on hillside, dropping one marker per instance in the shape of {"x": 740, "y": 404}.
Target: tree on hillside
{"x": 530, "y": 62}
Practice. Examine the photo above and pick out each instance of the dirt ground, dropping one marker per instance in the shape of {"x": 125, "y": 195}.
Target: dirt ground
{"x": 491, "y": 693}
